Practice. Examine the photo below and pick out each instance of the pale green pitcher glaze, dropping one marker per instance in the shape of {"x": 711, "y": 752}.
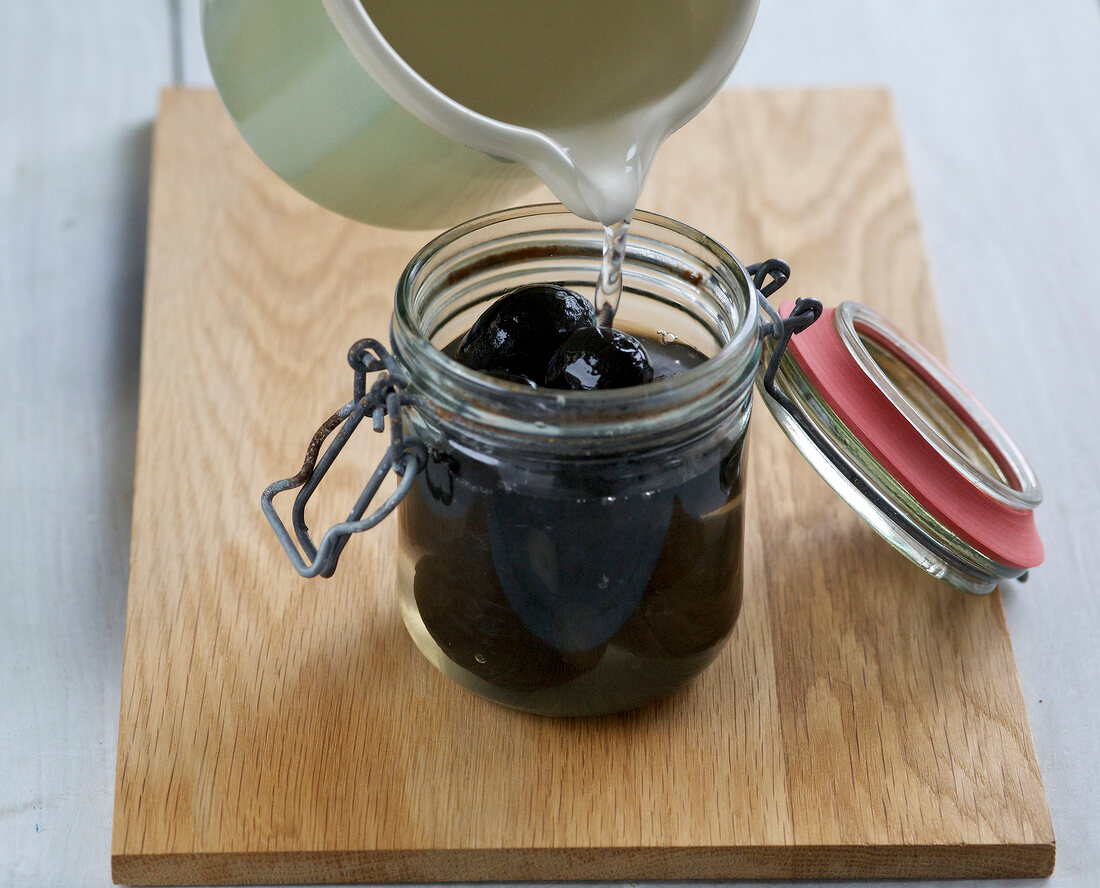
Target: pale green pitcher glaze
{"x": 312, "y": 113}
{"x": 413, "y": 114}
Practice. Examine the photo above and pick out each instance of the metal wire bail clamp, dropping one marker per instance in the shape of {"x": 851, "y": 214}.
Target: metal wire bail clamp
{"x": 405, "y": 456}
{"x": 805, "y": 312}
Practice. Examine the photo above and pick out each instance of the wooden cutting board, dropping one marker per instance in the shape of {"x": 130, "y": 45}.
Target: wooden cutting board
{"x": 864, "y": 720}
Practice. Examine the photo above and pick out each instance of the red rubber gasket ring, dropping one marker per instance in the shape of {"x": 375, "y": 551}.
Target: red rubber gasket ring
{"x": 1002, "y": 533}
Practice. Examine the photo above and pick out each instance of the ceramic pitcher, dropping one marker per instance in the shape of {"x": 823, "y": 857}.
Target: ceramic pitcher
{"x": 420, "y": 115}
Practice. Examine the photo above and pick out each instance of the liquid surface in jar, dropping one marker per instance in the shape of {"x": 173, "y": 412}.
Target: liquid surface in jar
{"x": 578, "y": 591}
{"x": 548, "y": 336}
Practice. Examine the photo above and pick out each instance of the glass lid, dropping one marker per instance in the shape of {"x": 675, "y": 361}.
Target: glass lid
{"x": 907, "y": 446}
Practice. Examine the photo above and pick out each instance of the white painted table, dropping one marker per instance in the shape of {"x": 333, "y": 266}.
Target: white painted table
{"x": 999, "y": 104}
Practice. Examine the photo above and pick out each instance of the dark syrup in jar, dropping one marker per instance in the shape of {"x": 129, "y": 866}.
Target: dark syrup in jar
{"x": 589, "y": 591}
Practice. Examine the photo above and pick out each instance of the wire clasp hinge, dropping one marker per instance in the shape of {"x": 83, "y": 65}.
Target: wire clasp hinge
{"x": 781, "y": 329}
{"x": 406, "y": 456}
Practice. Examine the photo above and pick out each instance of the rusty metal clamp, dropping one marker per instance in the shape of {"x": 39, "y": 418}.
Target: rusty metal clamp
{"x": 406, "y": 456}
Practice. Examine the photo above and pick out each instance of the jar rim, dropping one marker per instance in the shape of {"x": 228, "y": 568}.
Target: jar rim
{"x": 579, "y": 409}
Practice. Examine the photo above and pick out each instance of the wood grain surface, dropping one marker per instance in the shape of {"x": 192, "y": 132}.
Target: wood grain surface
{"x": 864, "y": 721}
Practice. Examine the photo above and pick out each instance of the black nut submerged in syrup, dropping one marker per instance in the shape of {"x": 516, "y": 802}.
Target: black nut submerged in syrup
{"x": 613, "y": 585}
{"x": 599, "y": 358}
{"x": 520, "y": 332}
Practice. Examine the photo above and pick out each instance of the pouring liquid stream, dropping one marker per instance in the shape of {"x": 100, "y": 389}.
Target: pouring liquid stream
{"x": 609, "y": 285}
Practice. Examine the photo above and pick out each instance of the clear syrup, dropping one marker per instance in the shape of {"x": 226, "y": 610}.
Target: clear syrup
{"x": 609, "y": 285}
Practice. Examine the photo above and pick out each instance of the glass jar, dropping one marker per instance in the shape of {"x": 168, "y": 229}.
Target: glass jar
{"x": 574, "y": 553}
